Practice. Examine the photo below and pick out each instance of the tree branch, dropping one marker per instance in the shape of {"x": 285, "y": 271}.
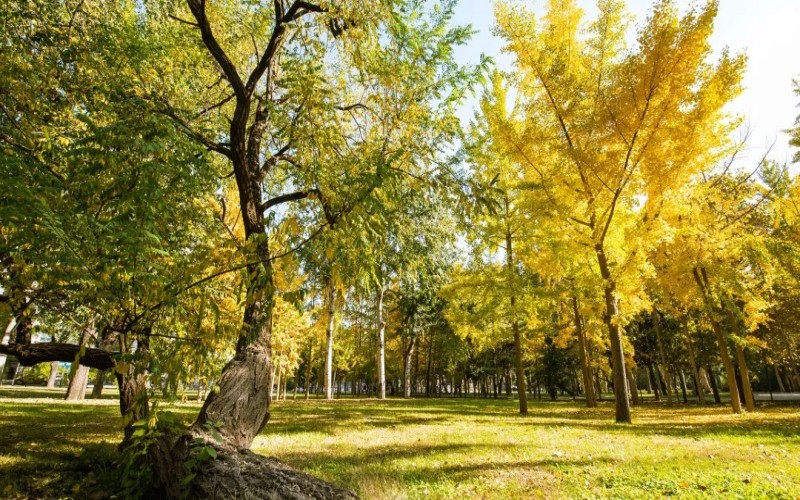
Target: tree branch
{"x": 32, "y": 354}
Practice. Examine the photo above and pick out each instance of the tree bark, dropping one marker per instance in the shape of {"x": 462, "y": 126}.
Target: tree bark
{"x": 586, "y": 370}
{"x": 381, "y": 347}
{"x": 308, "y": 367}
{"x": 781, "y": 387}
{"x": 611, "y": 319}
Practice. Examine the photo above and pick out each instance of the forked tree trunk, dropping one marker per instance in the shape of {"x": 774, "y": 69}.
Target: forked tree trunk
{"x": 611, "y": 319}
{"x": 586, "y": 370}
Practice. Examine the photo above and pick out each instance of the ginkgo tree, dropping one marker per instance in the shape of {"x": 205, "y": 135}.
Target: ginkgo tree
{"x": 607, "y": 131}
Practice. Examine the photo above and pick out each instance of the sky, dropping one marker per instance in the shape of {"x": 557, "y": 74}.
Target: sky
{"x": 768, "y": 31}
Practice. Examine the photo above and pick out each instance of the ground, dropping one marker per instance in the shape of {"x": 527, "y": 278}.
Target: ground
{"x": 441, "y": 448}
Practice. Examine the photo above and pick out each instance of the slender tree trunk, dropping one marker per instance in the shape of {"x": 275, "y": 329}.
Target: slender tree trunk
{"x": 612, "y": 319}
{"x": 654, "y": 382}
{"x": 381, "y": 347}
{"x": 99, "y": 382}
{"x": 51, "y": 380}
{"x": 329, "y": 335}
{"x": 781, "y": 387}
{"x": 663, "y": 365}
{"x": 308, "y": 367}
{"x": 714, "y": 387}
{"x": 633, "y": 386}
{"x": 749, "y": 401}
{"x": 702, "y": 282}
{"x": 522, "y": 391}
{"x": 407, "y": 359}
{"x": 586, "y": 369}
{"x": 701, "y": 395}
{"x": 683, "y": 385}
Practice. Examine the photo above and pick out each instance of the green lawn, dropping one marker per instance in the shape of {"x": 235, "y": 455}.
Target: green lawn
{"x": 444, "y": 448}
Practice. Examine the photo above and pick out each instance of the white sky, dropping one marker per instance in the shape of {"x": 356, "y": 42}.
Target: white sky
{"x": 768, "y": 31}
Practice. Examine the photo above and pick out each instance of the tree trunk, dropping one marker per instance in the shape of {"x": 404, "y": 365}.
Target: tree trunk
{"x": 781, "y": 387}
{"x": 586, "y": 370}
{"x": 6, "y": 339}
{"x": 654, "y": 382}
{"x": 308, "y": 367}
{"x": 329, "y": 335}
{"x": 522, "y": 391}
{"x": 712, "y": 377}
{"x": 381, "y": 348}
{"x": 407, "y": 359}
{"x": 633, "y": 386}
{"x": 749, "y": 401}
{"x": 99, "y": 382}
{"x": 611, "y": 319}
{"x": 664, "y": 366}
{"x": 51, "y": 380}
{"x": 683, "y": 385}
{"x": 702, "y": 282}
{"x": 79, "y": 374}
{"x": 428, "y": 367}
{"x": 701, "y": 395}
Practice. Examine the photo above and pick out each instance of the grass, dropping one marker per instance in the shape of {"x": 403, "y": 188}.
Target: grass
{"x": 444, "y": 448}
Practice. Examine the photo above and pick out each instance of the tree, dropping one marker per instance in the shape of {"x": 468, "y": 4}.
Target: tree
{"x": 608, "y": 133}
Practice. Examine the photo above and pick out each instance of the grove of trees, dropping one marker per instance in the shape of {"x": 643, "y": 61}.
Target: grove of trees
{"x": 273, "y": 200}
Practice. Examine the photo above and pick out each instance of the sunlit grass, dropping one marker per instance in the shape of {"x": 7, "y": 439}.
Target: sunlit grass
{"x": 448, "y": 449}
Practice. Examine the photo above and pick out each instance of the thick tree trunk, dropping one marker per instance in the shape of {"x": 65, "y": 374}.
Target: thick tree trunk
{"x": 612, "y": 319}
{"x": 51, "y": 380}
{"x": 702, "y": 282}
{"x": 329, "y": 337}
{"x": 381, "y": 348}
{"x": 79, "y": 374}
{"x": 586, "y": 369}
